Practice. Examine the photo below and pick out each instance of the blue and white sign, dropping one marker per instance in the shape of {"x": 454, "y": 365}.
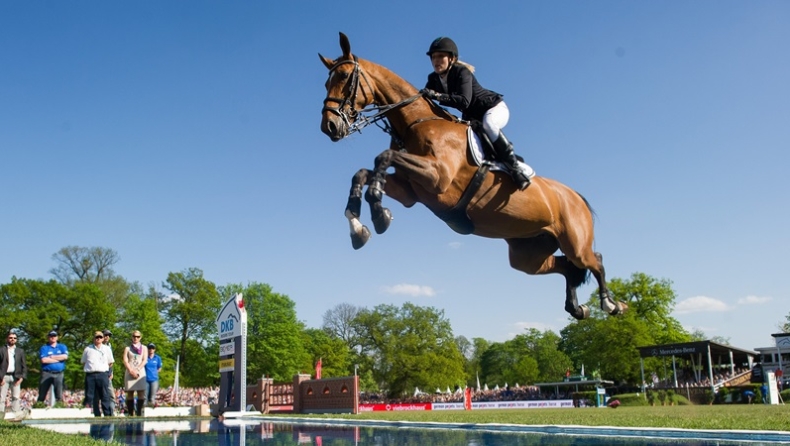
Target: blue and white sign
{"x": 232, "y": 319}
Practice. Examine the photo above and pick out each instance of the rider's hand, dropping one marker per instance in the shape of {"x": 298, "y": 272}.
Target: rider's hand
{"x": 428, "y": 93}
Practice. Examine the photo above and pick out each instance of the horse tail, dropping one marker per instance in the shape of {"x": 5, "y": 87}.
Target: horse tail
{"x": 587, "y": 203}
{"x": 576, "y": 276}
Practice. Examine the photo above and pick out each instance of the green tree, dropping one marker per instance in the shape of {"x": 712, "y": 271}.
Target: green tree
{"x": 34, "y": 307}
{"x": 139, "y": 312}
{"x": 77, "y": 264}
{"x": 190, "y": 321}
{"x": 410, "y": 347}
{"x": 334, "y": 353}
{"x": 544, "y": 348}
{"x": 275, "y": 343}
{"x": 473, "y": 368}
{"x": 609, "y": 344}
{"x": 339, "y": 323}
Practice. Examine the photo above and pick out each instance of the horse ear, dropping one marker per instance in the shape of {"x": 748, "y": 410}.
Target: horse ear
{"x": 329, "y": 63}
{"x": 345, "y": 46}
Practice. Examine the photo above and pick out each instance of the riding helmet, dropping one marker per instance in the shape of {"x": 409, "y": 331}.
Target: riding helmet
{"x": 443, "y": 44}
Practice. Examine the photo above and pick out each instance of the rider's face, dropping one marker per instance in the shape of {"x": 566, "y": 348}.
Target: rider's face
{"x": 440, "y": 62}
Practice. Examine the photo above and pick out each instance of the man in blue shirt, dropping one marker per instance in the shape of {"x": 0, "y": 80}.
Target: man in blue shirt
{"x": 53, "y": 363}
{"x": 152, "y": 368}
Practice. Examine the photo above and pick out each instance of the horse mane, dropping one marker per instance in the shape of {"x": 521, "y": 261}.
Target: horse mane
{"x": 436, "y": 108}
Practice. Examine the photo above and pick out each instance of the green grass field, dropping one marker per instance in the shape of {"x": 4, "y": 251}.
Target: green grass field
{"x": 735, "y": 416}
{"x": 15, "y": 434}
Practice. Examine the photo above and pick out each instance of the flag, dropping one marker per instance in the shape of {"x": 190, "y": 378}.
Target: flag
{"x": 478, "y": 382}
{"x": 318, "y": 369}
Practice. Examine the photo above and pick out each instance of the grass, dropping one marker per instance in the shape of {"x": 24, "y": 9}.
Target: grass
{"x": 15, "y": 434}
{"x": 718, "y": 417}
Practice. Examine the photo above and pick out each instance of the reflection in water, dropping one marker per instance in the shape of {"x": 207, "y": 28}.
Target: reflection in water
{"x": 249, "y": 432}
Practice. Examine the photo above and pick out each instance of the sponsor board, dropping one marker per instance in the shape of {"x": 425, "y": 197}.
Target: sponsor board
{"x": 393, "y": 407}
{"x": 227, "y": 349}
{"x": 542, "y": 404}
{"x": 226, "y": 365}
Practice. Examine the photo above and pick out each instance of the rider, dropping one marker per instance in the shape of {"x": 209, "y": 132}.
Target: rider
{"x": 453, "y": 84}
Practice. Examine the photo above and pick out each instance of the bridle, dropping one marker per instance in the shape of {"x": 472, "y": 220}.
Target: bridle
{"x": 355, "y": 119}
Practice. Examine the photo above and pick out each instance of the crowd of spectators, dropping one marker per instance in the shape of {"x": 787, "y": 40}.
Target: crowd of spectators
{"x": 519, "y": 393}
{"x": 164, "y": 397}
{"x": 687, "y": 378}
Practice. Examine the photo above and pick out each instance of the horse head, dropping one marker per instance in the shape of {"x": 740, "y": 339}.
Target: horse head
{"x": 346, "y": 95}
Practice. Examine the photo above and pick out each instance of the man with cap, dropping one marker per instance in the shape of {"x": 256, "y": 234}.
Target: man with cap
{"x": 53, "y": 363}
{"x": 152, "y": 368}
{"x": 110, "y": 389}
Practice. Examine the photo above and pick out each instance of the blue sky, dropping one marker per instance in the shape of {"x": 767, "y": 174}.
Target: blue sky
{"x": 186, "y": 134}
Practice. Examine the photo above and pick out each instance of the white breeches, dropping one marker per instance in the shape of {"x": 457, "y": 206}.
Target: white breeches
{"x": 495, "y": 119}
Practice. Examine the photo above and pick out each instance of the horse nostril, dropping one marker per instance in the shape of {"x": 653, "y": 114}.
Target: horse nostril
{"x": 331, "y": 128}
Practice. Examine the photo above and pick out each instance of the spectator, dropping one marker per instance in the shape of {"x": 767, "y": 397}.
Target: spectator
{"x": 135, "y": 356}
{"x": 97, "y": 359}
{"x": 106, "y": 341}
{"x": 152, "y": 368}
{"x": 53, "y": 357}
{"x": 13, "y": 369}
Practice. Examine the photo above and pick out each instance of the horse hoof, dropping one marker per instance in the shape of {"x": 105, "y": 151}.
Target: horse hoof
{"x": 358, "y": 239}
{"x": 382, "y": 223}
{"x": 622, "y": 307}
{"x": 585, "y": 310}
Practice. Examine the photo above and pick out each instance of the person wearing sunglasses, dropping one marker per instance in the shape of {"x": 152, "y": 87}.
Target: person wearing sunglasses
{"x": 13, "y": 369}
{"x": 96, "y": 359}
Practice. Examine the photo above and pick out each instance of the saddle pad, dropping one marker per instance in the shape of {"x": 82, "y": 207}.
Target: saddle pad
{"x": 476, "y": 149}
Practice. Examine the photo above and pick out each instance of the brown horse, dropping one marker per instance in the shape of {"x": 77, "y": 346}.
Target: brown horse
{"x": 432, "y": 166}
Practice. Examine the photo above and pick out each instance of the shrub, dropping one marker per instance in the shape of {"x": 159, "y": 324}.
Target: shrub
{"x": 632, "y": 399}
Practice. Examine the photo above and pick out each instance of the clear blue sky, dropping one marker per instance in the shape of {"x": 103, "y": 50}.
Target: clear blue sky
{"x": 186, "y": 134}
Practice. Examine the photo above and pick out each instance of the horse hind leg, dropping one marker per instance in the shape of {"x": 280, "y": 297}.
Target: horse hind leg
{"x": 360, "y": 234}
{"x": 574, "y": 278}
{"x": 607, "y": 303}
{"x": 534, "y": 256}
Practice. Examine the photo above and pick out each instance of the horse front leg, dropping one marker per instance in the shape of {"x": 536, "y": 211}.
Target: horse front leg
{"x": 360, "y": 234}
{"x": 381, "y": 216}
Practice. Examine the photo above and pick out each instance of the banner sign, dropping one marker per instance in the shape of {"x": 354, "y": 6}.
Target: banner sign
{"x": 226, "y": 365}
{"x": 542, "y": 404}
{"x": 227, "y": 348}
{"x": 393, "y": 407}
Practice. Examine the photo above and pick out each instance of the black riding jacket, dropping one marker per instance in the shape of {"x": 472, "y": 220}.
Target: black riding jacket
{"x": 465, "y": 93}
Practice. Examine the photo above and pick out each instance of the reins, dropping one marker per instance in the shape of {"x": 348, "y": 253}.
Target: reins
{"x": 355, "y": 119}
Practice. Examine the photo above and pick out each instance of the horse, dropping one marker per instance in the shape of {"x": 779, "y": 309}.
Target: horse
{"x": 431, "y": 165}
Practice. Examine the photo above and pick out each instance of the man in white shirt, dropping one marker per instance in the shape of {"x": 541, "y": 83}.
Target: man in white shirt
{"x": 96, "y": 359}
{"x": 13, "y": 369}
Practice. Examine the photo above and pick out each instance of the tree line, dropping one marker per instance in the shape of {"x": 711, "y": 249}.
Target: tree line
{"x": 394, "y": 349}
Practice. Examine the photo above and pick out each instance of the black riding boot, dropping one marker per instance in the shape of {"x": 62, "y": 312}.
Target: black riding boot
{"x": 505, "y": 154}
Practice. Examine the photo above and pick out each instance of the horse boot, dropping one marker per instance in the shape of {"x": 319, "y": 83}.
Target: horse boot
{"x": 505, "y": 154}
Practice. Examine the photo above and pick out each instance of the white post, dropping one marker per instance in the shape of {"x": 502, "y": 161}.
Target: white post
{"x": 174, "y": 399}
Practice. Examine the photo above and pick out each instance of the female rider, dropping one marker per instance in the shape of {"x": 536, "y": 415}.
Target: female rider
{"x": 453, "y": 84}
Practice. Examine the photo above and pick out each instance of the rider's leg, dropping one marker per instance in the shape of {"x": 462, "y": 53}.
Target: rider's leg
{"x": 493, "y": 121}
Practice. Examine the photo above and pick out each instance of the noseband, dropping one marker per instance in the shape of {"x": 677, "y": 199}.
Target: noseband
{"x": 355, "y": 119}
{"x": 351, "y": 115}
